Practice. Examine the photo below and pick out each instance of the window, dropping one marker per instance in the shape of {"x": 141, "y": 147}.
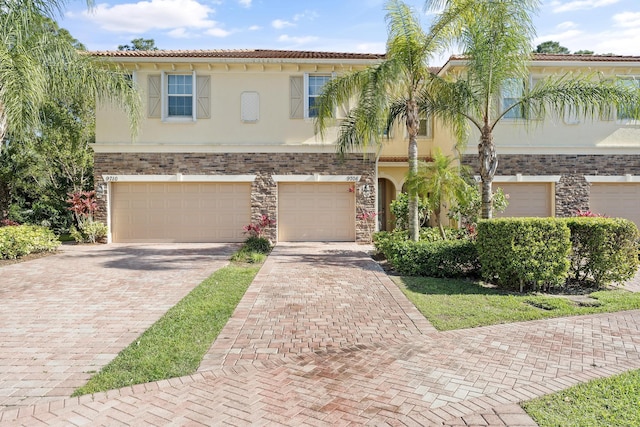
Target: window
{"x": 626, "y": 113}
{"x": 424, "y": 127}
{"x": 179, "y": 95}
{"x": 511, "y": 94}
{"x": 314, "y": 85}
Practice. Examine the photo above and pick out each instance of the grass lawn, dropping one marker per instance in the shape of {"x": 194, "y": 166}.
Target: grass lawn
{"x": 175, "y": 344}
{"x": 456, "y": 304}
{"x": 613, "y": 401}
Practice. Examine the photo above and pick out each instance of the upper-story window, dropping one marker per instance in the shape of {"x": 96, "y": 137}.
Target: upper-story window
{"x": 512, "y": 92}
{"x": 424, "y": 127}
{"x": 179, "y": 95}
{"x": 314, "y": 85}
{"x": 626, "y": 113}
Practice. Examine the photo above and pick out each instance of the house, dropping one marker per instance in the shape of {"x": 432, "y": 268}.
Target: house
{"x": 228, "y": 136}
{"x": 564, "y": 164}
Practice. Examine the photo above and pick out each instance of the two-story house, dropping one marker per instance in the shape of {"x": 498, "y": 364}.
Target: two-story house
{"x": 228, "y": 136}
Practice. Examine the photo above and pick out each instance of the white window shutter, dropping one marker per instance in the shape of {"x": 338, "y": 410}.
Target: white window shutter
{"x": 203, "y": 104}
{"x": 296, "y": 101}
{"x": 154, "y": 96}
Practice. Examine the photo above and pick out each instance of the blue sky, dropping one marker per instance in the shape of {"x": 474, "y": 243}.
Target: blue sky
{"x": 330, "y": 25}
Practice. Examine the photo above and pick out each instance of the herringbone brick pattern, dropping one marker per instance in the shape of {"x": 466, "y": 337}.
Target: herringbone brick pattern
{"x": 391, "y": 369}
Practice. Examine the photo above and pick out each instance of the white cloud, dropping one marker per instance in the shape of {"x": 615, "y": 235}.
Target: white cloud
{"x": 254, "y": 28}
{"x": 371, "y": 47}
{"x": 217, "y": 32}
{"x": 560, "y": 6}
{"x": 245, "y": 3}
{"x": 179, "y": 33}
{"x": 309, "y": 15}
{"x": 297, "y": 40}
{"x": 627, "y": 19}
{"x": 279, "y": 24}
{"x": 150, "y": 15}
{"x": 567, "y": 25}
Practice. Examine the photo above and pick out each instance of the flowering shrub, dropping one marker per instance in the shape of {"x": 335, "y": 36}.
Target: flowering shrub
{"x": 588, "y": 214}
{"x": 258, "y": 229}
{"x": 83, "y": 206}
{"x": 367, "y": 215}
{"x": 8, "y": 223}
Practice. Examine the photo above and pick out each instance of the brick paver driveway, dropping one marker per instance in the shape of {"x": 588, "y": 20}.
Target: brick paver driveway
{"x": 66, "y": 315}
{"x": 323, "y": 337}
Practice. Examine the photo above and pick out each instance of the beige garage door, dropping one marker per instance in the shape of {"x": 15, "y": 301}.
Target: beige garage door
{"x": 179, "y": 212}
{"x": 616, "y": 200}
{"x": 316, "y": 212}
{"x": 526, "y": 199}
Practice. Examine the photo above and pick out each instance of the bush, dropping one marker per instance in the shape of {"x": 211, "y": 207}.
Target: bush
{"x": 604, "y": 250}
{"x": 521, "y": 253}
{"x": 21, "y": 240}
{"x": 439, "y": 258}
{"x": 258, "y": 244}
{"x": 400, "y": 209}
{"x": 89, "y": 232}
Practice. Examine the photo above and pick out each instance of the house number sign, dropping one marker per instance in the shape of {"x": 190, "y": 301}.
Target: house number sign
{"x": 110, "y": 178}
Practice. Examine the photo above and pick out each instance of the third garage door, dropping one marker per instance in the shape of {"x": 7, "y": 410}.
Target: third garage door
{"x": 616, "y": 200}
{"x": 531, "y": 199}
{"x": 316, "y": 212}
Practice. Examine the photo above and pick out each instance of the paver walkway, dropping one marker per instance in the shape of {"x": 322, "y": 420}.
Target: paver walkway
{"x": 323, "y": 337}
{"x": 66, "y": 315}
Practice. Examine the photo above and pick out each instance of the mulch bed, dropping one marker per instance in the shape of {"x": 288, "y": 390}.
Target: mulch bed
{"x": 26, "y": 258}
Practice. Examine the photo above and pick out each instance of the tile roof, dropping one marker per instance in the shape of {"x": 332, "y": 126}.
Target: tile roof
{"x": 237, "y": 54}
{"x": 570, "y": 57}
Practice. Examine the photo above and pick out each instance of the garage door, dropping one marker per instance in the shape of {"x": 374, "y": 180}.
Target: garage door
{"x": 179, "y": 212}
{"x": 616, "y": 200}
{"x": 316, "y": 212}
{"x": 526, "y": 199}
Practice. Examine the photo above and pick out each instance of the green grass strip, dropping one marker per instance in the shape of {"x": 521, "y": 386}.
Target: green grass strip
{"x": 456, "y": 304}
{"x": 175, "y": 345}
{"x": 613, "y": 401}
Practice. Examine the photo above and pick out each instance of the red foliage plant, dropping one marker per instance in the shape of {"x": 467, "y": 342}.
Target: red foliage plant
{"x": 257, "y": 229}
{"x": 589, "y": 214}
{"x": 8, "y": 223}
{"x": 82, "y": 204}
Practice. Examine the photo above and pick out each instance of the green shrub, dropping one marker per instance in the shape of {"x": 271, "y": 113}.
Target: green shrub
{"x": 258, "y": 244}
{"x": 440, "y": 258}
{"x": 89, "y": 232}
{"x": 524, "y": 253}
{"x": 21, "y": 240}
{"x": 604, "y": 250}
{"x": 400, "y": 209}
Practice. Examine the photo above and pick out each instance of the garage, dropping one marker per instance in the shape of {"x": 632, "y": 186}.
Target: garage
{"x": 143, "y": 212}
{"x": 616, "y": 200}
{"x": 526, "y": 199}
{"x": 316, "y": 212}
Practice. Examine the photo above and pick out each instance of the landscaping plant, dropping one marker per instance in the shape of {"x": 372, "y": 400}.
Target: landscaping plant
{"x": 83, "y": 206}
{"x": 20, "y": 240}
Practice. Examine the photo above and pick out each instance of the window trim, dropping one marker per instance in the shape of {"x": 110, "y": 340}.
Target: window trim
{"x": 164, "y": 98}
{"x": 521, "y": 116}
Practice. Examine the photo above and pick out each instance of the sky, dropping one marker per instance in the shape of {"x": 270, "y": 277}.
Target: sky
{"x": 603, "y": 26}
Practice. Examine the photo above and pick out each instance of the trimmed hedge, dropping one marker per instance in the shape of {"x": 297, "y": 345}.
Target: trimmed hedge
{"x": 21, "y": 240}
{"x": 604, "y": 250}
{"x": 442, "y": 258}
{"x": 524, "y": 253}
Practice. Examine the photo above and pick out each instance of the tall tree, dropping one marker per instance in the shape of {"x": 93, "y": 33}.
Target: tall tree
{"x": 139, "y": 44}
{"x": 387, "y": 94}
{"x": 551, "y": 47}
{"x": 496, "y": 37}
{"x": 37, "y": 66}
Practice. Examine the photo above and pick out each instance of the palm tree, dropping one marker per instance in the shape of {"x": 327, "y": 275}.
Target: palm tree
{"x": 37, "y": 65}
{"x": 387, "y": 94}
{"x": 496, "y": 36}
{"x": 440, "y": 182}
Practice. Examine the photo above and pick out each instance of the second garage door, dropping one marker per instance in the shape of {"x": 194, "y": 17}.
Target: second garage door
{"x": 316, "y": 212}
{"x": 616, "y": 200}
{"x": 526, "y": 199}
{"x": 179, "y": 212}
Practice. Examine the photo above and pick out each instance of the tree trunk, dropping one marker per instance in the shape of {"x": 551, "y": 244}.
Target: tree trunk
{"x": 412, "y": 130}
{"x": 488, "y": 164}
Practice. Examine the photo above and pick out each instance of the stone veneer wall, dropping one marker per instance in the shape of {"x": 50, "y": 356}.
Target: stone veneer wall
{"x": 572, "y": 192}
{"x": 264, "y": 193}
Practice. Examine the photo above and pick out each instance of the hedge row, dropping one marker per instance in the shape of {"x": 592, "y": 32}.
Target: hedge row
{"x": 21, "y": 240}
{"x": 523, "y": 253}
